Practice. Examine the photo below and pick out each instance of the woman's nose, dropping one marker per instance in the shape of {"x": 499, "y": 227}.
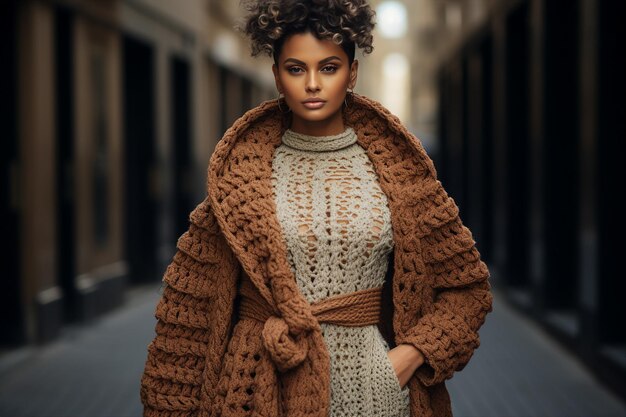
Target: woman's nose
{"x": 312, "y": 82}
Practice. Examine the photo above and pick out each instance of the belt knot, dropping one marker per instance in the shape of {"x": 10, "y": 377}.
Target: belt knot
{"x": 359, "y": 308}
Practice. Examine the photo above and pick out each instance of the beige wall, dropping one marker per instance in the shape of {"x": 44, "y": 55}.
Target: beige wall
{"x": 187, "y": 29}
{"x": 102, "y": 44}
{"x": 190, "y": 14}
{"x": 37, "y": 152}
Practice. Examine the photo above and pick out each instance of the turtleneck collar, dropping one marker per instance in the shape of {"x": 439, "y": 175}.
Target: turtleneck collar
{"x": 319, "y": 143}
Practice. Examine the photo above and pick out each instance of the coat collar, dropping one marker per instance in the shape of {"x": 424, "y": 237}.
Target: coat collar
{"x": 240, "y": 193}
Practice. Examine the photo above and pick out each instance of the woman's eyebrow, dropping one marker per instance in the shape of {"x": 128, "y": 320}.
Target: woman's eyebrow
{"x": 323, "y": 61}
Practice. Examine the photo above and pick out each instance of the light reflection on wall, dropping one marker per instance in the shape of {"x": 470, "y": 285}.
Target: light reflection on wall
{"x": 453, "y": 16}
{"x": 391, "y": 19}
{"x": 395, "y": 88}
{"x": 396, "y": 84}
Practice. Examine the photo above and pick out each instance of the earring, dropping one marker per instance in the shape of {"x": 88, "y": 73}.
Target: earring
{"x": 349, "y": 92}
{"x": 278, "y": 102}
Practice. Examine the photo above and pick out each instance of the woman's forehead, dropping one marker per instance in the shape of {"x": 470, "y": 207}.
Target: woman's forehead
{"x": 307, "y": 48}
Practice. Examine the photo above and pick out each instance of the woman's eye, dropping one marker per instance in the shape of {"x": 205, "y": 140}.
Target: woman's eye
{"x": 329, "y": 68}
{"x": 294, "y": 70}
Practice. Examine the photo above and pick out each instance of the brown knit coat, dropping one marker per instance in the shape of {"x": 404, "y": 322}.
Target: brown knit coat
{"x": 204, "y": 361}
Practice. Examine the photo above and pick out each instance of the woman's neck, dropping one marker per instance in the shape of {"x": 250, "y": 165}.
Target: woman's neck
{"x": 325, "y": 127}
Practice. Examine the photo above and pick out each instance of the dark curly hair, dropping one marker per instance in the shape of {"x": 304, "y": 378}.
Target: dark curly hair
{"x": 269, "y": 23}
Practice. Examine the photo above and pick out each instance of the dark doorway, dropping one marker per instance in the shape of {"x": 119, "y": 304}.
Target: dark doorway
{"x": 517, "y": 148}
{"x": 141, "y": 199}
{"x": 440, "y": 157}
{"x": 487, "y": 148}
{"x": 479, "y": 143}
{"x": 181, "y": 144}
{"x": 612, "y": 171}
{"x": 560, "y": 149}
{"x": 456, "y": 160}
{"x": 11, "y": 316}
{"x": 64, "y": 108}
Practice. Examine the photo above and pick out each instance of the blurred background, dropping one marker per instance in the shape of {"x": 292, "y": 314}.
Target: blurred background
{"x": 110, "y": 110}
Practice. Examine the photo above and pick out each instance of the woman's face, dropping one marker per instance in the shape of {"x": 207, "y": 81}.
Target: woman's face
{"x": 309, "y": 68}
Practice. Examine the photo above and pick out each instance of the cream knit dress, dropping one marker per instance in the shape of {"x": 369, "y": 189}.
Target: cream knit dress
{"x": 337, "y": 227}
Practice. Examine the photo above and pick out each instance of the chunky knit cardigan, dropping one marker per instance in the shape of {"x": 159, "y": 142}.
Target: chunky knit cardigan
{"x": 204, "y": 361}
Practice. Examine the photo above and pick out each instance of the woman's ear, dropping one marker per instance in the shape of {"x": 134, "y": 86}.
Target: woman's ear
{"x": 354, "y": 69}
{"x": 276, "y": 78}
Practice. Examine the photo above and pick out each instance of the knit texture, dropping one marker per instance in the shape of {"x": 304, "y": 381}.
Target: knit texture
{"x": 205, "y": 361}
{"x": 337, "y": 226}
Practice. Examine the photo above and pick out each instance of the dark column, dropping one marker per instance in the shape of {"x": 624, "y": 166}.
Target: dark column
{"x": 473, "y": 142}
{"x": 558, "y": 179}
{"x": 181, "y": 144}
{"x": 589, "y": 181}
{"x": 442, "y": 125}
{"x": 478, "y": 143}
{"x": 500, "y": 180}
{"x": 141, "y": 198}
{"x": 602, "y": 125}
{"x": 537, "y": 154}
{"x": 516, "y": 155}
{"x": 487, "y": 150}
{"x": 11, "y": 315}
{"x": 612, "y": 139}
{"x": 455, "y": 135}
{"x": 64, "y": 44}
{"x": 611, "y": 131}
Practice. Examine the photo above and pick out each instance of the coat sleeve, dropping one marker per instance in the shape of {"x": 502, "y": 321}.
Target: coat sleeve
{"x": 447, "y": 331}
{"x": 193, "y": 319}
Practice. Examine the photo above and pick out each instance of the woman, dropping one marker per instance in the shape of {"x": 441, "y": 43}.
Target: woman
{"x": 325, "y": 237}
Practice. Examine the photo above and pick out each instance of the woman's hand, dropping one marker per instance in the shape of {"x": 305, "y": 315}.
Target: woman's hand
{"x": 405, "y": 359}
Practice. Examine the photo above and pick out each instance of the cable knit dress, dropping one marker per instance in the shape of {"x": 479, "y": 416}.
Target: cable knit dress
{"x": 337, "y": 227}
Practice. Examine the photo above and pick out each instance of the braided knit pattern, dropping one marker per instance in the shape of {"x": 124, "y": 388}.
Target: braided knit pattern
{"x": 206, "y": 361}
{"x": 358, "y": 308}
{"x": 362, "y": 308}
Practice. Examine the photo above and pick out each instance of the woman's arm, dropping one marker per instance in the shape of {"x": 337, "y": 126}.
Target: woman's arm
{"x": 193, "y": 319}
{"x": 446, "y": 333}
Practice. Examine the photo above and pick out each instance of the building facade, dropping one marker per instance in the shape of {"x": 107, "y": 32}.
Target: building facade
{"x": 531, "y": 135}
{"x": 111, "y": 111}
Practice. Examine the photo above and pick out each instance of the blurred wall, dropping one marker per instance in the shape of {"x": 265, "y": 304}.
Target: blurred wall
{"x": 531, "y": 145}
{"x": 112, "y": 112}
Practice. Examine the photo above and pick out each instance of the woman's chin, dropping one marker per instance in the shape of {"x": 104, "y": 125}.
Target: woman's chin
{"x": 314, "y": 116}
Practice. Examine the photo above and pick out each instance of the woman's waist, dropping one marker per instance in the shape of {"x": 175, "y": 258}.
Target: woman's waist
{"x": 362, "y": 334}
{"x": 363, "y": 343}
{"x": 355, "y": 309}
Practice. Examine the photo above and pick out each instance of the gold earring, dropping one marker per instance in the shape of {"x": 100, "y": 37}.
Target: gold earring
{"x": 278, "y": 101}
{"x": 349, "y": 92}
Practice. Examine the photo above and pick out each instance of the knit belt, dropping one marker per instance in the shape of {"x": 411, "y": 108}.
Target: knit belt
{"x": 359, "y": 308}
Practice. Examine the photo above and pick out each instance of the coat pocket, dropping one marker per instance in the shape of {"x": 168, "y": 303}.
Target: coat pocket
{"x": 389, "y": 398}
{"x": 385, "y": 366}
{"x": 391, "y": 371}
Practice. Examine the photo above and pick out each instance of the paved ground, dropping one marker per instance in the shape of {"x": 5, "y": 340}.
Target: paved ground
{"x": 94, "y": 371}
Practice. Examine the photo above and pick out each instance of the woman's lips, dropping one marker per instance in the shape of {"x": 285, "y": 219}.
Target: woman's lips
{"x": 314, "y": 104}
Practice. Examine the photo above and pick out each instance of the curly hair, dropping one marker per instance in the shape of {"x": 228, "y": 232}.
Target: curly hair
{"x": 345, "y": 22}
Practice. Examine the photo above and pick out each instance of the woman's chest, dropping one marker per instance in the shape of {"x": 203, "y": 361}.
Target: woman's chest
{"x": 333, "y": 198}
